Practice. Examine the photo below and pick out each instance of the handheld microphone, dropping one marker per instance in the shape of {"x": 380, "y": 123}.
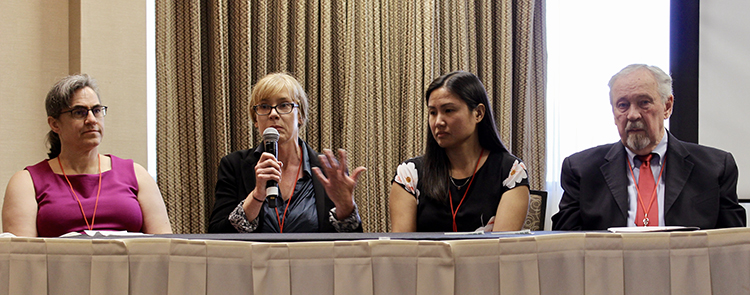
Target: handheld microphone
{"x": 271, "y": 138}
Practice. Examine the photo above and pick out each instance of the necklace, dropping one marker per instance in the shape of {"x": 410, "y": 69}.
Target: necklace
{"x": 96, "y": 205}
{"x": 450, "y": 197}
{"x": 281, "y": 224}
{"x": 459, "y": 186}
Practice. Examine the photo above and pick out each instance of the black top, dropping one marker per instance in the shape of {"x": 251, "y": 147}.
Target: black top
{"x": 490, "y": 182}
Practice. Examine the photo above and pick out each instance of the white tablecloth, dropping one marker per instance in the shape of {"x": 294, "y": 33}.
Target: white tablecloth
{"x": 700, "y": 262}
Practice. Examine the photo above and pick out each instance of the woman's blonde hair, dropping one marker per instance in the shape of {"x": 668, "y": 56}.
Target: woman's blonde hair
{"x": 274, "y": 83}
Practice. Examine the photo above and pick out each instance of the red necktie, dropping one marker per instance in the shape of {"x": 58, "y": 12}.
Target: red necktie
{"x": 646, "y": 191}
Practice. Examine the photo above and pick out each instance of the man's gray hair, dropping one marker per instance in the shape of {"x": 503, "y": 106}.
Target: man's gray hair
{"x": 663, "y": 81}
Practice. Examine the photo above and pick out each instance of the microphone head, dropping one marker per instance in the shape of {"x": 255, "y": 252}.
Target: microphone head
{"x": 270, "y": 135}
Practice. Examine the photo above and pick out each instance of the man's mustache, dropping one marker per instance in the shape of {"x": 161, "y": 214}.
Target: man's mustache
{"x": 632, "y": 125}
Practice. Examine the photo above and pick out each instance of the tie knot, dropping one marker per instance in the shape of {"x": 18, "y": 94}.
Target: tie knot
{"x": 645, "y": 159}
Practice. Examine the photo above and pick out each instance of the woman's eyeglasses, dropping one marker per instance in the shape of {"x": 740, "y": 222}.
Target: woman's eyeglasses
{"x": 282, "y": 108}
{"x": 81, "y": 112}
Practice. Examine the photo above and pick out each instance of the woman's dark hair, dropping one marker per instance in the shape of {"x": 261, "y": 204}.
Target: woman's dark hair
{"x": 466, "y": 86}
{"x": 58, "y": 99}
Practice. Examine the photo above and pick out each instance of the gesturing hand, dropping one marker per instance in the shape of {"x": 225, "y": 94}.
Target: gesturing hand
{"x": 338, "y": 184}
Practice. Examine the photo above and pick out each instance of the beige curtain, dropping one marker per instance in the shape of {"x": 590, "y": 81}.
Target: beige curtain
{"x": 364, "y": 64}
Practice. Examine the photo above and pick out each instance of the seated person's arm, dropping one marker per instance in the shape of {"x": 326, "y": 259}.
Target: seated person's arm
{"x": 233, "y": 211}
{"x": 569, "y": 216}
{"x": 20, "y": 207}
{"x": 731, "y": 213}
{"x": 155, "y": 219}
{"x": 225, "y": 198}
{"x": 349, "y": 224}
{"x": 511, "y": 212}
{"x": 403, "y": 207}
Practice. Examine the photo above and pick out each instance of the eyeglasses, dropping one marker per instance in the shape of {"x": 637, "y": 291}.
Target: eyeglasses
{"x": 81, "y": 112}
{"x": 282, "y": 108}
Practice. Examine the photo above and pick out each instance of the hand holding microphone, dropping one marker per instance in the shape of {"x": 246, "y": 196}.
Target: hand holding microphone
{"x": 270, "y": 139}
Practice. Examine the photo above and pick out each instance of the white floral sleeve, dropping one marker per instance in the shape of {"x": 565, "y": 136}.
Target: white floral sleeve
{"x": 517, "y": 174}
{"x": 407, "y": 176}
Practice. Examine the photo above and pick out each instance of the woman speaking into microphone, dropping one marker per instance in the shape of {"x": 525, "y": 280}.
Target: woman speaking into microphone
{"x": 314, "y": 192}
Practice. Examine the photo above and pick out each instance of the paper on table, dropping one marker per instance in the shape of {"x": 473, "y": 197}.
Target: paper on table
{"x": 479, "y": 232}
{"x": 460, "y": 233}
{"x": 116, "y": 233}
{"x": 646, "y": 229}
{"x": 105, "y": 233}
{"x": 517, "y": 232}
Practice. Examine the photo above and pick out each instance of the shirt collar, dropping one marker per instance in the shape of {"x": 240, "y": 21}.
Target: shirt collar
{"x": 660, "y": 150}
{"x": 305, "y": 156}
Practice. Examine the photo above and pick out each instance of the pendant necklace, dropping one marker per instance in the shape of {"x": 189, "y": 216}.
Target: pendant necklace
{"x": 458, "y": 187}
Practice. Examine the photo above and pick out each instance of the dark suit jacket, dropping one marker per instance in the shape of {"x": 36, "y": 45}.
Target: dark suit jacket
{"x": 700, "y": 188}
{"x": 236, "y": 179}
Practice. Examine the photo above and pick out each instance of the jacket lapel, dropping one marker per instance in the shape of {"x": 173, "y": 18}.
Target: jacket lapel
{"x": 612, "y": 171}
{"x": 320, "y": 193}
{"x": 677, "y": 173}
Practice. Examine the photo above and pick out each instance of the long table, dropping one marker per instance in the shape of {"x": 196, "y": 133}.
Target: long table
{"x": 697, "y": 262}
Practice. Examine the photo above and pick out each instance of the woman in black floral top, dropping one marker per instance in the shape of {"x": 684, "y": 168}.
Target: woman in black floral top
{"x": 466, "y": 180}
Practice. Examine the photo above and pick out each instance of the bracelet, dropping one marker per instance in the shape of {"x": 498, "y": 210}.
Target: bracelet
{"x": 259, "y": 200}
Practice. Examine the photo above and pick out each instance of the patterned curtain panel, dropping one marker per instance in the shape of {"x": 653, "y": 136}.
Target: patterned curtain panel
{"x": 364, "y": 64}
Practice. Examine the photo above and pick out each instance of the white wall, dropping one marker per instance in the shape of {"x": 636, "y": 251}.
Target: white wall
{"x": 724, "y": 75}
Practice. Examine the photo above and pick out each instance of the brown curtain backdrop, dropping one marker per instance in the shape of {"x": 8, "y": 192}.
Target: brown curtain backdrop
{"x": 364, "y": 64}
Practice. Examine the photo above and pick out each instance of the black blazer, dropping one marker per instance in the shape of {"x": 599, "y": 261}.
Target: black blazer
{"x": 700, "y": 188}
{"x": 236, "y": 179}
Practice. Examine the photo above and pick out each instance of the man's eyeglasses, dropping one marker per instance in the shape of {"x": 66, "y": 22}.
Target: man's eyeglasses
{"x": 282, "y": 108}
{"x": 81, "y": 112}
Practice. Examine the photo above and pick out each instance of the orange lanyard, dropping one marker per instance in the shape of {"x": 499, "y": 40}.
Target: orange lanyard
{"x": 281, "y": 224}
{"x": 96, "y": 205}
{"x": 637, "y": 191}
{"x": 450, "y": 197}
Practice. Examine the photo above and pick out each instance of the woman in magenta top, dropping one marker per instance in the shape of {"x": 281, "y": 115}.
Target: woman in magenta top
{"x": 77, "y": 188}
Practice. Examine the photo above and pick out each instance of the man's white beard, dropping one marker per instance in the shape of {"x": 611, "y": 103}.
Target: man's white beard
{"x": 637, "y": 141}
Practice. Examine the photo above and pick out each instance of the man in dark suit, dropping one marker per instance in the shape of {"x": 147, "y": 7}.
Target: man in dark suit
{"x": 687, "y": 185}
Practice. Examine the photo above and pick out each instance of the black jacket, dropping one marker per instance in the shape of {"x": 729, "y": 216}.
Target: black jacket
{"x": 700, "y": 188}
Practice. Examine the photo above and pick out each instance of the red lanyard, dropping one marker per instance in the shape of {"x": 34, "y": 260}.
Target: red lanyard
{"x": 281, "y": 223}
{"x": 96, "y": 205}
{"x": 455, "y": 228}
{"x": 656, "y": 187}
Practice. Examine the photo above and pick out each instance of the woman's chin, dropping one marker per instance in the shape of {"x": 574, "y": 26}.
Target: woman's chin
{"x": 444, "y": 143}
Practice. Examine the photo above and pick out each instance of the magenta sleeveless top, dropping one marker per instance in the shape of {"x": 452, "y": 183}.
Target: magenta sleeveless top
{"x": 59, "y": 212}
